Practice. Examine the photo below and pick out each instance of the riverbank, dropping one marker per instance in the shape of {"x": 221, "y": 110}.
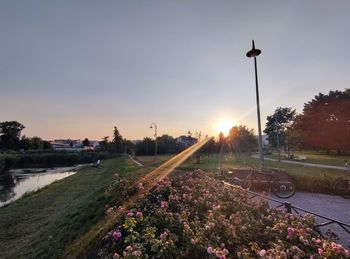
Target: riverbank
{"x": 44, "y": 223}
{"x": 48, "y": 159}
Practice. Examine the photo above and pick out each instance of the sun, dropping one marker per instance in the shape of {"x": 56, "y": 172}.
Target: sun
{"x": 224, "y": 125}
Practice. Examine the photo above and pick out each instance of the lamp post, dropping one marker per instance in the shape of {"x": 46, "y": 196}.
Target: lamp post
{"x": 253, "y": 53}
{"x": 155, "y": 138}
{"x": 278, "y": 143}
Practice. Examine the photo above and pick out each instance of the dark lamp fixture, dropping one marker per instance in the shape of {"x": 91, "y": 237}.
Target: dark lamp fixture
{"x": 253, "y": 52}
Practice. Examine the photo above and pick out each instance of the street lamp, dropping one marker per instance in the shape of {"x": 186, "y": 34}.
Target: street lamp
{"x": 155, "y": 138}
{"x": 253, "y": 53}
{"x": 278, "y": 143}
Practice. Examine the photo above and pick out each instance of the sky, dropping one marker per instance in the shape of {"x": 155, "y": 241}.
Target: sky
{"x": 75, "y": 69}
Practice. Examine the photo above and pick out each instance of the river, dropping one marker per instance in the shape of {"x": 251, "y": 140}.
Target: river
{"x": 20, "y": 181}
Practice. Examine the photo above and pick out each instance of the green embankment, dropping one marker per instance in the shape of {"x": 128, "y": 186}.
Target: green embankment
{"x": 43, "y": 224}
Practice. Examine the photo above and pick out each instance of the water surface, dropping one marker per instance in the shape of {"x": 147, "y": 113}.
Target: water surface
{"x": 14, "y": 185}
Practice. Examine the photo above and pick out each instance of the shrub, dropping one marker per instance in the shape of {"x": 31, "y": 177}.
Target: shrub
{"x": 194, "y": 216}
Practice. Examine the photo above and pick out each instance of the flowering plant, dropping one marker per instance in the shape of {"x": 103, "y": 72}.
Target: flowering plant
{"x": 194, "y": 216}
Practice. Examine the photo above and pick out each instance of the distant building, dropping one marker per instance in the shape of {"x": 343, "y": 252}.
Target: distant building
{"x": 67, "y": 144}
{"x": 186, "y": 141}
{"x": 73, "y": 145}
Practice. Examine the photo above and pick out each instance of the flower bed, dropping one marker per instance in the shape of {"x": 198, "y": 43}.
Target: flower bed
{"x": 194, "y": 216}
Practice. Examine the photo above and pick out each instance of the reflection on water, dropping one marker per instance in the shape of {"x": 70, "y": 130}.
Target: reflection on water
{"x": 14, "y": 186}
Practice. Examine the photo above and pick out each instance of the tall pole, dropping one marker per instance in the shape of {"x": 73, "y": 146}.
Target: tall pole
{"x": 278, "y": 142}
{"x": 155, "y": 138}
{"x": 253, "y": 53}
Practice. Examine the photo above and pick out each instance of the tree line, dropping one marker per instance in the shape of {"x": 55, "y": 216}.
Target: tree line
{"x": 323, "y": 124}
{"x": 10, "y": 138}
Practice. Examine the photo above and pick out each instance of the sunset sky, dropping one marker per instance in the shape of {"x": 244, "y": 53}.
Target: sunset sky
{"x": 74, "y": 69}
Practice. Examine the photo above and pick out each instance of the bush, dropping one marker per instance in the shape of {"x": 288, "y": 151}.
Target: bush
{"x": 194, "y": 216}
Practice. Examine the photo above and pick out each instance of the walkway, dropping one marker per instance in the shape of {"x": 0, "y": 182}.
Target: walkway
{"x": 136, "y": 162}
{"x": 331, "y": 206}
{"x": 303, "y": 163}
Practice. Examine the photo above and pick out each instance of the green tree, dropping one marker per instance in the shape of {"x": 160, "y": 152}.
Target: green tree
{"x": 104, "y": 143}
{"x": 36, "y": 143}
{"x": 166, "y": 144}
{"x": 325, "y": 121}
{"x": 241, "y": 139}
{"x": 47, "y": 145}
{"x": 145, "y": 147}
{"x": 86, "y": 142}
{"x": 280, "y": 123}
{"x": 10, "y": 132}
{"x": 118, "y": 142}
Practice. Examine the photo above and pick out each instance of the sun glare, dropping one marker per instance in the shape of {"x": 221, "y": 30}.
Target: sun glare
{"x": 224, "y": 126}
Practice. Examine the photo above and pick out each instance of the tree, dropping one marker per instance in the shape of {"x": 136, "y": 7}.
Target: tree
{"x": 118, "y": 141}
{"x": 145, "y": 147}
{"x": 10, "y": 132}
{"x": 325, "y": 121}
{"x": 280, "y": 123}
{"x": 241, "y": 139}
{"x": 86, "y": 142}
{"x": 104, "y": 143}
{"x": 166, "y": 144}
{"x": 36, "y": 143}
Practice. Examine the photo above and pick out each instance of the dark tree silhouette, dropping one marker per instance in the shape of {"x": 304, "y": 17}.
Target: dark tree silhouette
{"x": 86, "y": 142}
{"x": 280, "y": 121}
{"x": 325, "y": 121}
{"x": 10, "y": 132}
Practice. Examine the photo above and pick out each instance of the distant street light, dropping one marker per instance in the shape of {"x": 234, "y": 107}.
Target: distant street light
{"x": 253, "y": 53}
{"x": 155, "y": 138}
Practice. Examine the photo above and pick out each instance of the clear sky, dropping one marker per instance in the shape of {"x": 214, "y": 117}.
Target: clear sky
{"x": 74, "y": 69}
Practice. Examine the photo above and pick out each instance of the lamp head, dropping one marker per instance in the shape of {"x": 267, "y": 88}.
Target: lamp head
{"x": 253, "y": 52}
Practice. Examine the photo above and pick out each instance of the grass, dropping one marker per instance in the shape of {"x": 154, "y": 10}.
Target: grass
{"x": 308, "y": 179}
{"x": 151, "y": 161}
{"x": 49, "y": 222}
{"x": 44, "y": 223}
{"x": 319, "y": 158}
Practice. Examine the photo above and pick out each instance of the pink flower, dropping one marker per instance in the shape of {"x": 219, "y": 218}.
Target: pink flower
{"x": 320, "y": 252}
{"x": 262, "y": 252}
{"x": 193, "y": 241}
{"x": 130, "y": 214}
{"x": 139, "y": 214}
{"x": 291, "y": 232}
{"x": 137, "y": 253}
{"x": 115, "y": 256}
{"x": 117, "y": 235}
{"x": 164, "y": 204}
{"x": 210, "y": 250}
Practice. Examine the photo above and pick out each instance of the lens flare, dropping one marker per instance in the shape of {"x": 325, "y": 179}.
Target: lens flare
{"x": 224, "y": 125}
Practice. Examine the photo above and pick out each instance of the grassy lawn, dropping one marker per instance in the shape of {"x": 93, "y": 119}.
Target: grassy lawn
{"x": 309, "y": 179}
{"x": 151, "y": 161}
{"x": 43, "y": 224}
{"x": 319, "y": 158}
{"x": 46, "y": 223}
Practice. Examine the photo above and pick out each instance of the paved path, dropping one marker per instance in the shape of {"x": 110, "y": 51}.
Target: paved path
{"x": 303, "y": 163}
{"x": 331, "y": 206}
{"x": 136, "y": 162}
